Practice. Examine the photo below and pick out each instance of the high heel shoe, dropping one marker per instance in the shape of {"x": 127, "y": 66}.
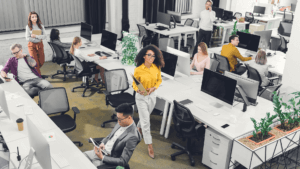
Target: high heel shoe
{"x": 150, "y": 151}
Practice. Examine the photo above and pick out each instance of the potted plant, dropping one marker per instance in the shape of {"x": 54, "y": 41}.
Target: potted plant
{"x": 261, "y": 133}
{"x": 129, "y": 50}
{"x": 235, "y": 29}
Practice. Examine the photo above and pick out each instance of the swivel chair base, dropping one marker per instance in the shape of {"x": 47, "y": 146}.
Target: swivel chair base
{"x": 86, "y": 86}
{"x": 78, "y": 142}
{"x": 64, "y": 72}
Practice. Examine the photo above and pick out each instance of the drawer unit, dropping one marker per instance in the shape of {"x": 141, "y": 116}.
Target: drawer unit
{"x": 216, "y": 151}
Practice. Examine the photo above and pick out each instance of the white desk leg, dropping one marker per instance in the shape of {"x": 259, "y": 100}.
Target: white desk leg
{"x": 224, "y": 35}
{"x": 169, "y": 120}
{"x": 185, "y": 39}
{"x": 179, "y": 41}
{"x": 164, "y": 119}
{"x": 195, "y": 39}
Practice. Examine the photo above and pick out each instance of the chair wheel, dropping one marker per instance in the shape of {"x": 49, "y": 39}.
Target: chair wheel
{"x": 80, "y": 144}
{"x": 82, "y": 95}
{"x": 98, "y": 91}
{"x": 193, "y": 163}
{"x": 173, "y": 158}
{"x": 52, "y": 77}
{"x": 102, "y": 125}
{"x": 173, "y": 146}
{"x": 72, "y": 90}
{"x": 64, "y": 79}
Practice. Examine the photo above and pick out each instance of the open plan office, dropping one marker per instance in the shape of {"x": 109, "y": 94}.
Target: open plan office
{"x": 125, "y": 84}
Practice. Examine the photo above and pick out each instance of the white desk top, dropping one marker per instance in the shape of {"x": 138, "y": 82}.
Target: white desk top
{"x": 177, "y": 30}
{"x": 266, "y": 18}
{"x": 230, "y": 24}
{"x": 15, "y": 138}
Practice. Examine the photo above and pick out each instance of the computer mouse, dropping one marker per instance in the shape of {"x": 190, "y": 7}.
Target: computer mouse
{"x": 147, "y": 23}
{"x": 269, "y": 54}
{"x": 215, "y": 22}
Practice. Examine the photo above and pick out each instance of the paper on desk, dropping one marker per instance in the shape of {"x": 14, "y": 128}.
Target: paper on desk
{"x": 50, "y": 136}
{"x": 11, "y": 96}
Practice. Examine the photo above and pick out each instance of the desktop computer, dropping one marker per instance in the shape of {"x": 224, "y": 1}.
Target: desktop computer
{"x": 218, "y": 11}
{"x": 39, "y": 147}
{"x": 3, "y": 103}
{"x": 259, "y": 10}
{"x": 183, "y": 63}
{"x": 86, "y": 32}
{"x": 227, "y": 15}
{"x": 220, "y": 87}
{"x": 265, "y": 37}
{"x": 108, "y": 40}
{"x": 248, "y": 85}
{"x": 248, "y": 41}
{"x": 285, "y": 28}
{"x": 170, "y": 65}
{"x": 164, "y": 19}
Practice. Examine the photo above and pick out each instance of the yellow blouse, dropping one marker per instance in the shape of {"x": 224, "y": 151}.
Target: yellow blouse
{"x": 148, "y": 77}
{"x": 231, "y": 52}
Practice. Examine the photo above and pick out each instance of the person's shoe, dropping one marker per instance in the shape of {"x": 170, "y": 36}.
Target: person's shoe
{"x": 44, "y": 76}
{"x": 150, "y": 151}
{"x": 140, "y": 130}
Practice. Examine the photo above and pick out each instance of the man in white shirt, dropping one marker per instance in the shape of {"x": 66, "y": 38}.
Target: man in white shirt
{"x": 120, "y": 143}
{"x": 207, "y": 17}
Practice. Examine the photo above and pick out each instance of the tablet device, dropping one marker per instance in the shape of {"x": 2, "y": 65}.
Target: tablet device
{"x": 103, "y": 151}
{"x": 186, "y": 101}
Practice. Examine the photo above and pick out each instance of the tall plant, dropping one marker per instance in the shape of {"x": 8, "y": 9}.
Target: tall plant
{"x": 234, "y": 31}
{"x": 129, "y": 49}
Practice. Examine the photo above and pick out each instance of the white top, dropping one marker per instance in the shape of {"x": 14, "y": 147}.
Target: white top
{"x": 83, "y": 57}
{"x": 24, "y": 72}
{"x": 262, "y": 70}
{"x": 205, "y": 63}
{"x": 110, "y": 143}
{"x": 207, "y": 19}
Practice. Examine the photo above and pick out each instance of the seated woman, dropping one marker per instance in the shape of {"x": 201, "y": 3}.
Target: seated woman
{"x": 201, "y": 59}
{"x": 260, "y": 65}
{"x": 74, "y": 50}
{"x": 54, "y": 38}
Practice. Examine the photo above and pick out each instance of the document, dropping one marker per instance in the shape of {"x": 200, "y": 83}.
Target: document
{"x": 139, "y": 85}
{"x": 37, "y": 32}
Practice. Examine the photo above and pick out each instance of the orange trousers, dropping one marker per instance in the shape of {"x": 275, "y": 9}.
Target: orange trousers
{"x": 36, "y": 50}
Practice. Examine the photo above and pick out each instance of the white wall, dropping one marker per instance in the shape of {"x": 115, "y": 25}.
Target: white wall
{"x": 287, "y": 2}
{"x": 135, "y": 14}
{"x": 292, "y": 68}
{"x": 115, "y": 16}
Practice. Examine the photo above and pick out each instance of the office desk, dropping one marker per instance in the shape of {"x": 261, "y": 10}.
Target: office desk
{"x": 277, "y": 61}
{"x": 228, "y": 26}
{"x": 14, "y": 138}
{"x": 271, "y": 22}
{"x": 176, "y": 32}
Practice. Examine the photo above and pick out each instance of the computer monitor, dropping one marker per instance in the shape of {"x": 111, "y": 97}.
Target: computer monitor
{"x": 170, "y": 65}
{"x": 86, "y": 31}
{"x": 39, "y": 146}
{"x": 268, "y": 7}
{"x": 285, "y": 28}
{"x": 259, "y": 10}
{"x": 183, "y": 62}
{"x": 218, "y": 86}
{"x": 176, "y": 15}
{"x": 248, "y": 41}
{"x": 109, "y": 40}
{"x": 163, "y": 18}
{"x": 248, "y": 85}
{"x": 3, "y": 103}
{"x": 218, "y": 11}
{"x": 227, "y": 15}
{"x": 265, "y": 37}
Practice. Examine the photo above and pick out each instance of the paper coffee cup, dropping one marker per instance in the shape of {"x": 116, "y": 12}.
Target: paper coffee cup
{"x": 20, "y": 124}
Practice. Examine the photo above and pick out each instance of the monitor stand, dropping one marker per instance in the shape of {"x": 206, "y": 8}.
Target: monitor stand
{"x": 29, "y": 160}
{"x": 89, "y": 43}
{"x": 216, "y": 105}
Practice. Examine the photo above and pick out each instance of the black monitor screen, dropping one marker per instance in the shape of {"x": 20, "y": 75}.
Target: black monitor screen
{"x": 253, "y": 43}
{"x": 218, "y": 86}
{"x": 163, "y": 18}
{"x": 248, "y": 41}
{"x": 227, "y": 15}
{"x": 176, "y": 15}
{"x": 86, "y": 31}
{"x": 259, "y": 9}
{"x": 170, "y": 63}
{"x": 285, "y": 28}
{"x": 218, "y": 11}
{"x": 109, "y": 40}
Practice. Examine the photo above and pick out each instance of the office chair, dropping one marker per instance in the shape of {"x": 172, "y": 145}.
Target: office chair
{"x": 223, "y": 63}
{"x": 187, "y": 128}
{"x": 61, "y": 57}
{"x": 116, "y": 84}
{"x": 83, "y": 69}
{"x": 145, "y": 38}
{"x": 237, "y": 15}
{"x": 189, "y": 22}
{"x": 283, "y": 44}
{"x": 55, "y": 100}
{"x": 214, "y": 64}
{"x": 249, "y": 17}
{"x": 252, "y": 73}
{"x": 190, "y": 36}
{"x": 288, "y": 17}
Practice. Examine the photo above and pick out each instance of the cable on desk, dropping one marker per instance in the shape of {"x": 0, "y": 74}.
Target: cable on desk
{"x": 22, "y": 161}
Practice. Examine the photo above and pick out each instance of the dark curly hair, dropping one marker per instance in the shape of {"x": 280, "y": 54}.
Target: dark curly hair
{"x": 54, "y": 35}
{"x": 159, "y": 59}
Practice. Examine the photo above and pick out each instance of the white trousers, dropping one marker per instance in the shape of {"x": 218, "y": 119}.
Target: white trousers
{"x": 145, "y": 106}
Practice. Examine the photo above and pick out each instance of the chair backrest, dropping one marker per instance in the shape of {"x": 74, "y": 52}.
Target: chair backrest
{"x": 142, "y": 31}
{"x": 288, "y": 16}
{"x": 214, "y": 64}
{"x": 116, "y": 80}
{"x": 54, "y": 54}
{"x": 189, "y": 22}
{"x": 249, "y": 17}
{"x": 253, "y": 74}
{"x": 60, "y": 53}
{"x": 54, "y": 100}
{"x": 223, "y": 63}
{"x": 283, "y": 44}
{"x": 183, "y": 119}
{"x": 195, "y": 24}
{"x": 269, "y": 93}
{"x": 79, "y": 67}
{"x": 237, "y": 15}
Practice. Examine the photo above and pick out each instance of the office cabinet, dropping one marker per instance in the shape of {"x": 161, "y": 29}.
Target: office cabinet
{"x": 256, "y": 27}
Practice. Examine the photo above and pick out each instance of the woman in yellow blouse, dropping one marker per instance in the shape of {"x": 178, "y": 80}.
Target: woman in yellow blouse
{"x": 149, "y": 61}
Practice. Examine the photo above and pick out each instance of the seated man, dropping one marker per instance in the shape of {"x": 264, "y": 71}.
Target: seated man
{"x": 120, "y": 143}
{"x": 22, "y": 66}
{"x": 232, "y": 53}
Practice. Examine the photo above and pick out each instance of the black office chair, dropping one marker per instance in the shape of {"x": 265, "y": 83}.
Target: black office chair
{"x": 237, "y": 15}
{"x": 54, "y": 101}
{"x": 83, "y": 69}
{"x": 283, "y": 44}
{"x": 288, "y": 16}
{"x": 223, "y": 63}
{"x": 145, "y": 37}
{"x": 249, "y": 17}
{"x": 187, "y": 128}
{"x": 189, "y": 22}
{"x": 214, "y": 64}
{"x": 252, "y": 73}
{"x": 116, "y": 84}
{"x": 61, "y": 57}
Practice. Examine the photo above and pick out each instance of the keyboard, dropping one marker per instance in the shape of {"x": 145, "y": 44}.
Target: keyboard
{"x": 100, "y": 53}
{"x": 161, "y": 28}
{"x": 60, "y": 160}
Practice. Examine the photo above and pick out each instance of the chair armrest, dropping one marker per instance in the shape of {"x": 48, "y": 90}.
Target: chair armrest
{"x": 106, "y": 92}
{"x": 75, "y": 110}
{"x": 273, "y": 78}
{"x": 197, "y": 127}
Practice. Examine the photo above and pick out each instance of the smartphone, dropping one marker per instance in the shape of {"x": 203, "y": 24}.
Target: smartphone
{"x": 225, "y": 125}
{"x": 6, "y": 78}
{"x": 186, "y": 101}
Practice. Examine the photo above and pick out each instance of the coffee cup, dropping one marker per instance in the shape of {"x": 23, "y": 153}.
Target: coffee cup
{"x": 20, "y": 124}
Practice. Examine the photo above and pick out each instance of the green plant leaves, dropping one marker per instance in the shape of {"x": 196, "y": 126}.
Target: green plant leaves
{"x": 129, "y": 50}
